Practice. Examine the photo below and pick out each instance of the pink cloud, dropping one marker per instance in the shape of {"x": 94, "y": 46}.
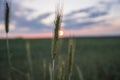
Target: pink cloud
{"x": 27, "y": 35}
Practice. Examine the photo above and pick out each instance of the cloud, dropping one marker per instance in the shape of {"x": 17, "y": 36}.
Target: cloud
{"x": 102, "y": 8}
{"x": 86, "y": 10}
{"x": 95, "y": 15}
{"x": 1, "y": 10}
{"x": 2, "y": 27}
{"x": 21, "y": 20}
{"x": 93, "y": 12}
{"x": 73, "y": 24}
{"x": 97, "y": 30}
{"x": 26, "y": 35}
{"x": 90, "y": 18}
{"x": 34, "y": 25}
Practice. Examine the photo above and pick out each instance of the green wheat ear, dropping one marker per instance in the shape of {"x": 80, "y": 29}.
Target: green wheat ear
{"x": 7, "y": 15}
{"x": 57, "y": 25}
{"x": 71, "y": 48}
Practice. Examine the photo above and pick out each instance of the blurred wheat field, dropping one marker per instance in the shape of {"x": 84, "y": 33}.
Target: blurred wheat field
{"x": 97, "y": 58}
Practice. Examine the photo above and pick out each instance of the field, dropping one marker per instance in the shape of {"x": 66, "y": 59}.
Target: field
{"x": 97, "y": 58}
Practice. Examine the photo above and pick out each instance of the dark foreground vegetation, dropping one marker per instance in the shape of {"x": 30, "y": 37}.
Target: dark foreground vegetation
{"x": 97, "y": 58}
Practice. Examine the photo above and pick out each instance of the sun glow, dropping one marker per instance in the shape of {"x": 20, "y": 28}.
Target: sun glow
{"x": 61, "y": 33}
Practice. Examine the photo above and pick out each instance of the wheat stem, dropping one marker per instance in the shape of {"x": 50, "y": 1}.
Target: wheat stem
{"x": 9, "y": 56}
{"x": 62, "y": 69}
{"x": 50, "y": 71}
{"x": 44, "y": 69}
{"x": 29, "y": 59}
{"x": 53, "y": 70}
{"x": 79, "y": 73}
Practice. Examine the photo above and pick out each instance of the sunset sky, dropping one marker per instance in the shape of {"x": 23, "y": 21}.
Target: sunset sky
{"x": 35, "y": 18}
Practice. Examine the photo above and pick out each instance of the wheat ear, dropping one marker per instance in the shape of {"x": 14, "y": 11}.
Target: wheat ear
{"x": 70, "y": 57}
{"x": 57, "y": 24}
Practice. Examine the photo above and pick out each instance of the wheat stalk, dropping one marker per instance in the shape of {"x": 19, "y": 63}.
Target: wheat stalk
{"x": 57, "y": 24}
{"x": 29, "y": 59}
{"x": 50, "y": 71}
{"x": 79, "y": 73}
{"x": 44, "y": 69}
{"x": 7, "y": 14}
{"x": 28, "y": 76}
{"x": 61, "y": 74}
{"x": 70, "y": 57}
